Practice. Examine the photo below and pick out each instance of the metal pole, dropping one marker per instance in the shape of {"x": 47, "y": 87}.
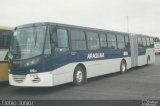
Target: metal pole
{"x": 127, "y": 24}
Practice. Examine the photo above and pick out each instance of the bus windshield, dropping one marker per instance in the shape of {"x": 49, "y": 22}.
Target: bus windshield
{"x": 27, "y": 42}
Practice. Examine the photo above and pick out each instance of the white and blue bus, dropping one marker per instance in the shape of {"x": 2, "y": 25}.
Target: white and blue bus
{"x": 50, "y": 54}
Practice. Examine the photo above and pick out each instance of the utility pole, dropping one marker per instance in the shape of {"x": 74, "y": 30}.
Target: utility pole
{"x": 127, "y": 24}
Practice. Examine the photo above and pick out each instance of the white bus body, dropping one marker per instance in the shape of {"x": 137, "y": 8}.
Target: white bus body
{"x": 74, "y": 57}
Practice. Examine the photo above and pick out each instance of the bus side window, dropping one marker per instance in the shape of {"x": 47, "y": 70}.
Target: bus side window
{"x": 152, "y": 42}
{"x": 127, "y": 43}
{"x": 53, "y": 39}
{"x": 140, "y": 42}
{"x": 93, "y": 41}
{"x": 103, "y": 41}
{"x": 78, "y": 40}
{"x": 120, "y": 41}
{"x": 148, "y": 42}
{"x": 111, "y": 41}
{"x": 1, "y": 42}
{"x": 5, "y": 38}
{"x": 62, "y": 41}
{"x": 144, "y": 42}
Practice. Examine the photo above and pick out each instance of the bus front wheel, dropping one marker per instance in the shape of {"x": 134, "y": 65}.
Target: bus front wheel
{"x": 79, "y": 76}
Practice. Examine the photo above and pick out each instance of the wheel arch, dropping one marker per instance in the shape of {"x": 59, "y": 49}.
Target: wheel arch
{"x": 123, "y": 59}
{"x": 149, "y": 57}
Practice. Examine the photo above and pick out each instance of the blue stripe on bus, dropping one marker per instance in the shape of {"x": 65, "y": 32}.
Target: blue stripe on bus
{"x": 50, "y": 64}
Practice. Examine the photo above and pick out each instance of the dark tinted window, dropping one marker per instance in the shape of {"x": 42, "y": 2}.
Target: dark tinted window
{"x": 103, "y": 41}
{"x": 78, "y": 40}
{"x": 144, "y": 41}
{"x": 62, "y": 38}
{"x": 5, "y": 37}
{"x": 148, "y": 42}
{"x": 140, "y": 45}
{"x": 53, "y": 39}
{"x": 93, "y": 40}
{"x": 127, "y": 43}
{"x": 111, "y": 41}
{"x": 152, "y": 42}
{"x": 120, "y": 41}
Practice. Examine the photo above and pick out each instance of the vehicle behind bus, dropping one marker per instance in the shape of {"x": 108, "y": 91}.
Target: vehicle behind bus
{"x": 5, "y": 37}
{"x": 157, "y": 47}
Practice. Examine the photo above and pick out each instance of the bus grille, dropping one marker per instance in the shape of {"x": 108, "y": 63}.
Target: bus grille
{"x": 19, "y": 78}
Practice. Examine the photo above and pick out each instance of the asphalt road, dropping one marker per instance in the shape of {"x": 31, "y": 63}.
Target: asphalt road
{"x": 137, "y": 84}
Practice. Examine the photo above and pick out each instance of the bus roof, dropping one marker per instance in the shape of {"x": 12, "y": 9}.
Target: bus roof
{"x": 76, "y": 27}
{"x": 69, "y": 26}
{"x": 6, "y": 28}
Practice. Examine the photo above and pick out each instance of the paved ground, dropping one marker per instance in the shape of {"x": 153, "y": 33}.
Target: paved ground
{"x": 138, "y": 83}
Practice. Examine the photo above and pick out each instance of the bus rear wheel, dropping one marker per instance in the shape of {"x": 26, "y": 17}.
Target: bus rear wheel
{"x": 123, "y": 66}
{"x": 79, "y": 76}
{"x": 148, "y": 61}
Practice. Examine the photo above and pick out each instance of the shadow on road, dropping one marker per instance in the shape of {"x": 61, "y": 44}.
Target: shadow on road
{"x": 116, "y": 74}
{"x": 4, "y": 84}
{"x": 40, "y": 90}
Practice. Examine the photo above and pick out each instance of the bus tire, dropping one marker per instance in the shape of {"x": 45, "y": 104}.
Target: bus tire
{"x": 123, "y": 66}
{"x": 79, "y": 76}
{"x": 148, "y": 60}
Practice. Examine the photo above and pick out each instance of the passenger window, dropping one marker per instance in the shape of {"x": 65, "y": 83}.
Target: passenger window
{"x": 152, "y": 42}
{"x": 111, "y": 41}
{"x": 62, "y": 39}
{"x": 103, "y": 41}
{"x": 93, "y": 41}
{"x": 78, "y": 40}
{"x": 148, "y": 42}
{"x": 144, "y": 41}
{"x": 120, "y": 41}
{"x": 5, "y": 38}
{"x": 127, "y": 43}
{"x": 140, "y": 42}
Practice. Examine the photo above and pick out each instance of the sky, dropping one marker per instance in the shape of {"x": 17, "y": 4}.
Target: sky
{"x": 143, "y": 15}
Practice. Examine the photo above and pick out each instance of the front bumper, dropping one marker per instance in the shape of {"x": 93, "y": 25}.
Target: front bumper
{"x": 32, "y": 80}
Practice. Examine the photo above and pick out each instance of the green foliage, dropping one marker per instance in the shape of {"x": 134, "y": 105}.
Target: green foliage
{"x": 156, "y": 39}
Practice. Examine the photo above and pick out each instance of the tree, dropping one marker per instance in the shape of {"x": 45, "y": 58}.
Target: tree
{"x": 156, "y": 39}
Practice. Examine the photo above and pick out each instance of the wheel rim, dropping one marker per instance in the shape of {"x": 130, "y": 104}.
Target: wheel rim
{"x": 123, "y": 67}
{"x": 79, "y": 76}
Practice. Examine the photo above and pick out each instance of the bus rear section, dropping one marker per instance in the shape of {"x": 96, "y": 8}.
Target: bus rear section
{"x": 157, "y": 47}
{"x": 142, "y": 50}
{"x": 5, "y": 37}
